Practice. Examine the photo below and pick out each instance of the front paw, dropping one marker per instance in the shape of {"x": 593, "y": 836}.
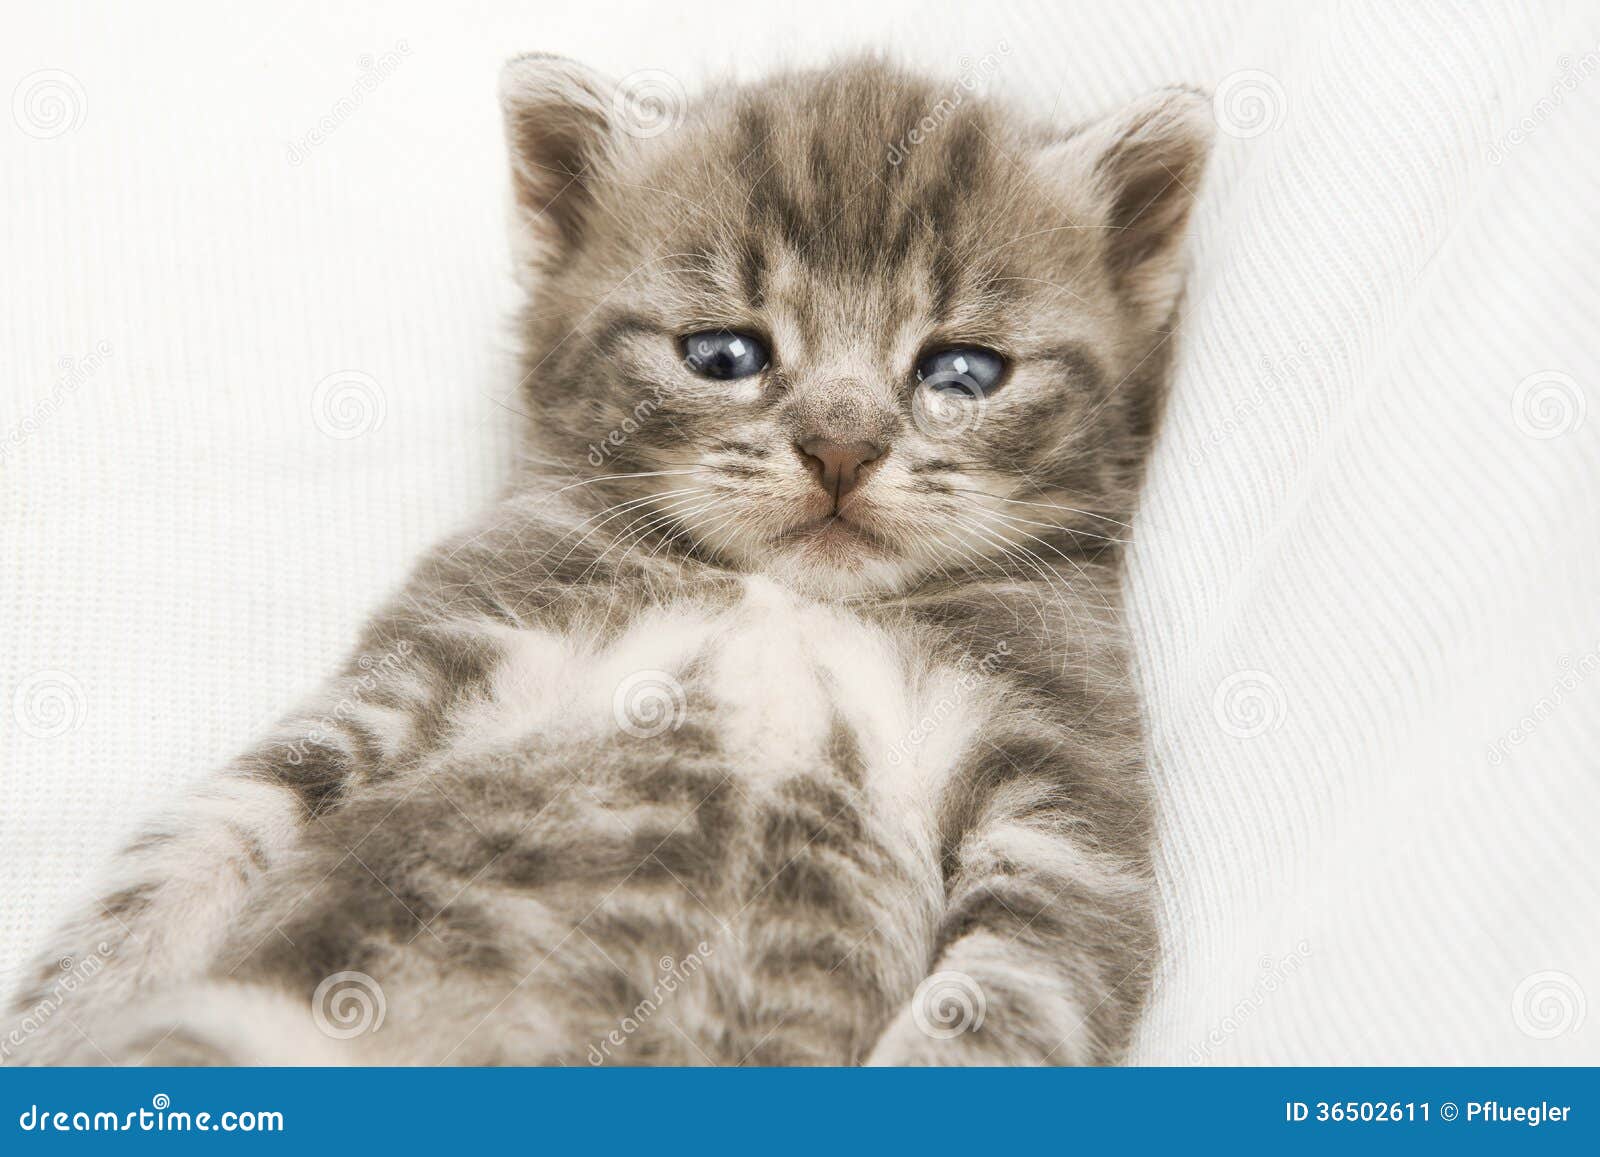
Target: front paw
{"x": 953, "y": 1019}
{"x": 943, "y": 1024}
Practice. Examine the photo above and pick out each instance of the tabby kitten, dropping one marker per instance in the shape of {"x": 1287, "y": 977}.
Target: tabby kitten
{"x": 780, "y": 712}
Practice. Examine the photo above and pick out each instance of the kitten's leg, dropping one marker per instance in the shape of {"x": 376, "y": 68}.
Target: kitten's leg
{"x": 175, "y": 889}
{"x": 211, "y": 1023}
{"x": 1043, "y": 953}
{"x": 165, "y": 908}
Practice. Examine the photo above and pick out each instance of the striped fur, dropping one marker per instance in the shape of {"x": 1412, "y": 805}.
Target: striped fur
{"x": 859, "y": 770}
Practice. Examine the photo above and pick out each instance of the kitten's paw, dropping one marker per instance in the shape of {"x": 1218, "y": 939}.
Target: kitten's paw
{"x": 178, "y": 1049}
{"x": 954, "y": 1020}
{"x": 911, "y": 1041}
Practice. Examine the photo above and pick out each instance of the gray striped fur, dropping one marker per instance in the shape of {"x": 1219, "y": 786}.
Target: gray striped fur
{"x": 892, "y": 807}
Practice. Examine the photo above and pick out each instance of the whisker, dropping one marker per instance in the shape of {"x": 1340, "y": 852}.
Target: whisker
{"x": 614, "y": 477}
{"x": 1072, "y": 562}
{"x": 1020, "y": 521}
{"x": 1035, "y": 565}
{"x": 1049, "y": 505}
{"x": 646, "y": 524}
{"x": 609, "y": 514}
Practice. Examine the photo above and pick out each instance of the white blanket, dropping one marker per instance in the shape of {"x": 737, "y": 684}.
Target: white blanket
{"x": 252, "y": 355}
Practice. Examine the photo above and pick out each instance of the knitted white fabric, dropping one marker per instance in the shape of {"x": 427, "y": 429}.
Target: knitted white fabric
{"x": 252, "y": 361}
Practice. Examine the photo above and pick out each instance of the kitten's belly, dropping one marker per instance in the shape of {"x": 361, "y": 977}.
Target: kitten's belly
{"x": 750, "y": 790}
{"x": 776, "y": 679}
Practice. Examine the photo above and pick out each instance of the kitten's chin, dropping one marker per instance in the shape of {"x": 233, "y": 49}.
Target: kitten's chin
{"x": 828, "y": 558}
{"x": 838, "y": 578}
{"x": 836, "y": 562}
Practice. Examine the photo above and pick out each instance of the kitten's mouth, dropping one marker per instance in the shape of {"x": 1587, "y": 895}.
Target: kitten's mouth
{"x": 833, "y": 533}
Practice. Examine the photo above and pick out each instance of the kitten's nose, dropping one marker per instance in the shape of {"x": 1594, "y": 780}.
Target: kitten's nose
{"x": 838, "y": 466}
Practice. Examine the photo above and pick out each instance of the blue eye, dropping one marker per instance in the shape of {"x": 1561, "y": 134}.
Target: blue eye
{"x": 968, "y": 370}
{"x": 722, "y": 354}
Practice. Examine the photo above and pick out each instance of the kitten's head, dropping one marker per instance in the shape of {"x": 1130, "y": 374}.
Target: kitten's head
{"x": 849, "y": 328}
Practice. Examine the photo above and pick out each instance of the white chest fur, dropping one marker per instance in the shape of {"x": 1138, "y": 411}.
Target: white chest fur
{"x": 776, "y": 673}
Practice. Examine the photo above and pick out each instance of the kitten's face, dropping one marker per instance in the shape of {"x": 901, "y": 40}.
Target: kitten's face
{"x": 812, "y": 349}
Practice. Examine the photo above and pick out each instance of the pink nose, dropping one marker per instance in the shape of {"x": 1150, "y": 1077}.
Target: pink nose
{"x": 838, "y": 467}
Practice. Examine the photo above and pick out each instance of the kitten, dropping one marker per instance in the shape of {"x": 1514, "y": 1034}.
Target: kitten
{"x": 780, "y": 713}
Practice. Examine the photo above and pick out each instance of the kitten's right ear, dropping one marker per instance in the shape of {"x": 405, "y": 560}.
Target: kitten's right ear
{"x": 1143, "y": 163}
{"x": 559, "y": 133}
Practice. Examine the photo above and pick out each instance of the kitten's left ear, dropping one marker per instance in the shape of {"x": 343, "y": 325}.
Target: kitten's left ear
{"x": 1143, "y": 165}
{"x": 559, "y": 133}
